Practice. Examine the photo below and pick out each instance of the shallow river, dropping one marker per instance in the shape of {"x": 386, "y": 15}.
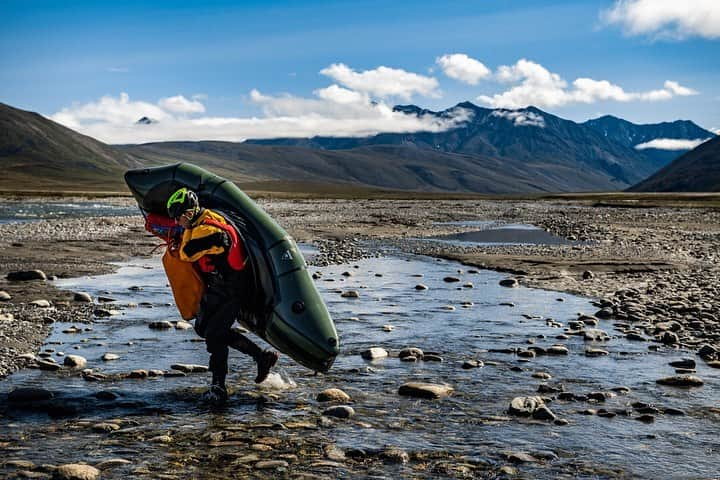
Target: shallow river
{"x": 460, "y": 321}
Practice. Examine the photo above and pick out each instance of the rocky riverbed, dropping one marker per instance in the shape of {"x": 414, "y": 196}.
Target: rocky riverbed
{"x": 651, "y": 271}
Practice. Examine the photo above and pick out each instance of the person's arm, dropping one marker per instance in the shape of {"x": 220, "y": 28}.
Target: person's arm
{"x": 202, "y": 240}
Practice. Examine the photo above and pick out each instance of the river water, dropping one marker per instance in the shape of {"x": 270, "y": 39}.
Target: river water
{"x": 470, "y": 319}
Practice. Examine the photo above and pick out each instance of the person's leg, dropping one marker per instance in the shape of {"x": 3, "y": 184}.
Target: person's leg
{"x": 265, "y": 360}
{"x": 213, "y": 323}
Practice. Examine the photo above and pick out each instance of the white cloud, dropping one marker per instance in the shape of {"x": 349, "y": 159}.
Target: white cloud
{"x": 383, "y": 82}
{"x": 676, "y": 19}
{"x": 520, "y": 118}
{"x": 180, "y": 104}
{"x": 671, "y": 144}
{"x": 540, "y": 87}
{"x": 334, "y": 111}
{"x": 461, "y": 67}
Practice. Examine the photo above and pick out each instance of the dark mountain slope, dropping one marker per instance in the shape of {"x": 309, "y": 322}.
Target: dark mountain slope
{"x": 38, "y": 153}
{"x": 696, "y": 171}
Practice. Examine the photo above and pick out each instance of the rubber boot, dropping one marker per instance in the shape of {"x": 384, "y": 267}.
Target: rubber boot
{"x": 265, "y": 361}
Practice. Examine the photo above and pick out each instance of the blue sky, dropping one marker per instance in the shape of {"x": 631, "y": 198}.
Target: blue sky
{"x": 230, "y": 70}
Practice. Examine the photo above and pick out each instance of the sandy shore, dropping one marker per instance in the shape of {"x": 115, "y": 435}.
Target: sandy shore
{"x": 654, "y": 267}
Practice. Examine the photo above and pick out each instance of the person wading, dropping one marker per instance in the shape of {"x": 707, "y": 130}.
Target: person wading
{"x": 215, "y": 249}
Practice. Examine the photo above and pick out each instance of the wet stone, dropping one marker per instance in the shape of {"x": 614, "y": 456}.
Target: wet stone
{"x": 5, "y": 296}
{"x": 420, "y": 286}
{"x": 108, "y": 357}
{"x": 596, "y": 352}
{"x": 75, "y": 361}
{"x": 509, "y": 282}
{"x": 47, "y": 365}
{"x": 341, "y": 411}
{"x": 542, "y": 375}
{"x": 543, "y": 413}
{"x": 424, "y": 390}
{"x": 40, "y": 303}
{"x": 112, "y": 463}
{"x": 74, "y": 471}
{"x": 469, "y": 364}
{"x": 558, "y": 350}
{"x": 525, "y": 406}
{"x": 645, "y": 418}
{"x": 687, "y": 363}
{"x": 271, "y": 464}
{"x": 183, "y": 325}
{"x": 105, "y": 427}
{"x": 451, "y": 279}
{"x": 350, "y": 294}
{"x": 681, "y": 381}
{"x": 83, "y": 297}
{"x": 374, "y": 353}
{"x": 429, "y": 357}
{"x": 333, "y": 395}
{"x": 160, "y": 325}
{"x": 26, "y": 275}
{"x": 189, "y": 368}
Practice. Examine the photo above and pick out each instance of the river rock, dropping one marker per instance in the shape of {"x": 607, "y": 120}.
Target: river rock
{"x": 333, "y": 395}
{"x": 138, "y": 374}
{"x": 431, "y": 357}
{"x": 669, "y": 338}
{"x": 424, "y": 390}
{"x": 75, "y": 471}
{"x": 26, "y": 275}
{"x": 108, "y": 357}
{"x": 271, "y": 464}
{"x": 411, "y": 352}
{"x": 681, "y": 381}
{"x": 183, "y": 325}
{"x": 189, "y": 368}
{"x": 374, "y": 353}
{"x": 542, "y": 375}
{"x": 525, "y": 406}
{"x": 160, "y": 325}
{"x": 29, "y": 394}
{"x": 468, "y": 364}
{"x": 595, "y": 335}
{"x": 604, "y": 313}
{"x": 75, "y": 361}
{"x": 48, "y": 365}
{"x": 420, "y": 286}
{"x": 82, "y": 297}
{"x": 558, "y": 350}
{"x": 112, "y": 463}
{"x": 596, "y": 352}
{"x": 40, "y": 303}
{"x": 350, "y": 294}
{"x": 395, "y": 455}
{"x": 588, "y": 275}
{"x": 105, "y": 427}
{"x": 5, "y": 296}
{"x": 519, "y": 457}
{"x": 509, "y": 282}
{"x": 341, "y": 411}
{"x": 688, "y": 363}
{"x": 708, "y": 352}
{"x": 544, "y": 413}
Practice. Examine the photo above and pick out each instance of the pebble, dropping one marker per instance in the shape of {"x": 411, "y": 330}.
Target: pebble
{"x": 75, "y": 471}
{"x": 40, "y": 303}
{"x": 468, "y": 364}
{"x": 82, "y": 297}
{"x": 420, "y": 286}
{"x": 109, "y": 357}
{"x": 350, "y": 294}
{"x": 424, "y": 390}
{"x": 411, "y": 352}
{"x": 681, "y": 381}
{"x": 189, "y": 368}
{"x": 451, "y": 279}
{"x": 509, "y": 282}
{"x": 183, "y": 325}
{"x": 341, "y": 411}
{"x": 271, "y": 464}
{"x": 374, "y": 353}
{"x": 75, "y": 361}
{"x": 160, "y": 325}
{"x": 333, "y": 395}
{"x": 26, "y": 275}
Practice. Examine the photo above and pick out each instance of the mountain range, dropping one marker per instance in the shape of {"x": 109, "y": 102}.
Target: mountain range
{"x": 493, "y": 151}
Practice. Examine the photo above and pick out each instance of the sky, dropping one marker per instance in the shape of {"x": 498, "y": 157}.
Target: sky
{"x": 222, "y": 70}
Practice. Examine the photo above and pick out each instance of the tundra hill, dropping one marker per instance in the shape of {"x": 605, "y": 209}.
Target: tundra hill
{"x": 696, "y": 171}
{"x": 39, "y": 154}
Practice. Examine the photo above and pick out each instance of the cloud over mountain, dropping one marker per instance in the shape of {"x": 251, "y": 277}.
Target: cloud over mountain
{"x": 671, "y": 144}
{"x": 461, "y": 67}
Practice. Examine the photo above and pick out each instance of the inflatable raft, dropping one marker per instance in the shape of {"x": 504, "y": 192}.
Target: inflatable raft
{"x": 284, "y": 307}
